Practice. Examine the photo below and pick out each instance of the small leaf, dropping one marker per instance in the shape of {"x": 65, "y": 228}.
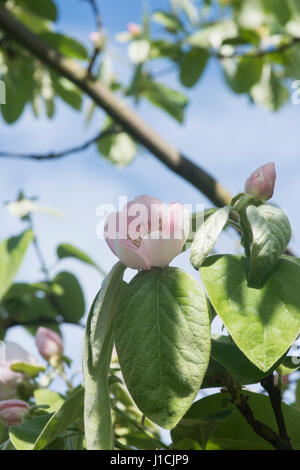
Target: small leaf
{"x": 171, "y": 101}
{"x": 163, "y": 342}
{"x": 66, "y": 45}
{"x": 120, "y": 149}
{"x": 71, "y": 302}
{"x": 170, "y": 21}
{"x": 263, "y": 323}
{"x": 241, "y": 77}
{"x": 12, "y": 251}
{"x": 65, "y": 250}
{"x": 271, "y": 233}
{"x": 31, "y": 370}
{"x": 207, "y": 235}
{"x": 192, "y": 66}
{"x": 98, "y": 344}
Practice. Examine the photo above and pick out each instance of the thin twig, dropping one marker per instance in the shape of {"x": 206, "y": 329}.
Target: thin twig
{"x": 106, "y": 133}
{"x": 98, "y": 22}
{"x": 261, "y": 429}
{"x": 275, "y": 398}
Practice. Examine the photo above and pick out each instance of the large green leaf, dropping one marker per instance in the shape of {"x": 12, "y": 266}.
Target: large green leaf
{"x": 65, "y": 250}
{"x": 207, "y": 235}
{"x": 216, "y": 419}
{"x": 99, "y": 337}
{"x": 226, "y": 352}
{"x": 262, "y": 322}
{"x": 192, "y": 66}
{"x": 271, "y": 233}
{"x": 12, "y": 251}
{"x": 163, "y": 342}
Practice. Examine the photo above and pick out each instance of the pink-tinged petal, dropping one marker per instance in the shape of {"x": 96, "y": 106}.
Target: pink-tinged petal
{"x": 161, "y": 251}
{"x": 132, "y": 256}
{"x": 261, "y": 182}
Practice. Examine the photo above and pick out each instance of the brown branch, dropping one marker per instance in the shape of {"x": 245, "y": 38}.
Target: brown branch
{"x": 275, "y": 398}
{"x": 117, "y": 109}
{"x": 106, "y": 133}
{"x": 260, "y": 52}
{"x": 261, "y": 429}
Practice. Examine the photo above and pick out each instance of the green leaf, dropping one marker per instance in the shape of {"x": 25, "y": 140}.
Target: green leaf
{"x": 44, "y": 396}
{"x": 192, "y": 66}
{"x": 196, "y": 219}
{"x": 12, "y": 251}
{"x": 45, "y": 9}
{"x": 71, "y": 302}
{"x": 98, "y": 344}
{"x": 262, "y": 322}
{"x": 171, "y": 101}
{"x": 207, "y": 235}
{"x": 163, "y": 342}
{"x": 31, "y": 370}
{"x": 66, "y": 250}
{"x": 170, "y": 21}
{"x": 25, "y": 435}
{"x": 18, "y": 82}
{"x": 270, "y": 91}
{"x": 65, "y": 45}
{"x": 244, "y": 74}
{"x": 271, "y": 233}
{"x": 119, "y": 148}
{"x": 213, "y": 34}
{"x": 67, "y": 91}
{"x": 66, "y": 415}
{"x": 215, "y": 418}
{"x": 225, "y": 351}
{"x": 281, "y": 10}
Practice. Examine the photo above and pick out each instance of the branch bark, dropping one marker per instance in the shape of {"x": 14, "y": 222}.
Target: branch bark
{"x": 116, "y": 108}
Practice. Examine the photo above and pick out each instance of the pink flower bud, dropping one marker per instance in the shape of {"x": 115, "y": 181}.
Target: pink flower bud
{"x": 49, "y": 343}
{"x": 97, "y": 38}
{"x": 10, "y": 380}
{"x": 12, "y": 412}
{"x": 262, "y": 181}
{"x": 147, "y": 232}
{"x": 134, "y": 29}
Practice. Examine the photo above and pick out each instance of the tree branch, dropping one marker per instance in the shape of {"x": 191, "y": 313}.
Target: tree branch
{"x": 116, "y": 108}
{"x": 261, "y": 429}
{"x": 275, "y": 398}
{"x": 261, "y": 52}
{"x": 106, "y": 133}
{"x": 98, "y": 22}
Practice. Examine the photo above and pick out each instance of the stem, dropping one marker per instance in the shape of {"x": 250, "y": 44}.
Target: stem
{"x": 275, "y": 398}
{"x": 139, "y": 427}
{"x": 261, "y": 429}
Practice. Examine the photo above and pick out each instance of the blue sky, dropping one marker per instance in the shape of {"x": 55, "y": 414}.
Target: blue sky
{"x": 222, "y": 132}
